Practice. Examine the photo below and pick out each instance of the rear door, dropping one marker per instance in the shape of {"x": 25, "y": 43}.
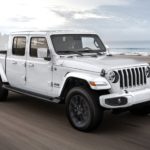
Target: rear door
{"x": 39, "y": 74}
{"x": 16, "y": 59}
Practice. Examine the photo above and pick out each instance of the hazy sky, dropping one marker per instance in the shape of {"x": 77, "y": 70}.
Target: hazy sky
{"x": 113, "y": 19}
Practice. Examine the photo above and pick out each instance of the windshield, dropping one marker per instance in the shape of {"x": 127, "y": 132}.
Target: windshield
{"x": 77, "y": 44}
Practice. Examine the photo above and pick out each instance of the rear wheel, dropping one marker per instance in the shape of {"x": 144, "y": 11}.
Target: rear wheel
{"x": 83, "y": 110}
{"x": 3, "y": 92}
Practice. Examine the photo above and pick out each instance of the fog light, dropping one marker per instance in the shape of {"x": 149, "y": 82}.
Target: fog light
{"x": 118, "y": 101}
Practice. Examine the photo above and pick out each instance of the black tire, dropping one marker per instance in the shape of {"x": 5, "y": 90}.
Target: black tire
{"x": 141, "y": 110}
{"x": 3, "y": 92}
{"x": 83, "y": 109}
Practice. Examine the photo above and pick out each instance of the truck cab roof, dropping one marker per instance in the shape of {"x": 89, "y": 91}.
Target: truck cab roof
{"x": 52, "y": 32}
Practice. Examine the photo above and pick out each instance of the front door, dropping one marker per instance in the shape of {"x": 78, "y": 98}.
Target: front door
{"x": 39, "y": 74}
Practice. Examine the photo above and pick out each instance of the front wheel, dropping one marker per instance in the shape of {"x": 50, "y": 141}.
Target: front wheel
{"x": 83, "y": 110}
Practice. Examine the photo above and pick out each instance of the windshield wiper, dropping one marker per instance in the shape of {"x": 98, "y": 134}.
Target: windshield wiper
{"x": 70, "y": 52}
{"x": 91, "y": 51}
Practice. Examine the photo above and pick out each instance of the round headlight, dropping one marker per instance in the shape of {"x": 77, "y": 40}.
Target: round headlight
{"x": 148, "y": 72}
{"x": 113, "y": 77}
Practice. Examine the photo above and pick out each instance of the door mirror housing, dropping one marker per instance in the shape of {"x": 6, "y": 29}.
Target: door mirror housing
{"x": 107, "y": 47}
{"x": 43, "y": 53}
{"x": 108, "y": 50}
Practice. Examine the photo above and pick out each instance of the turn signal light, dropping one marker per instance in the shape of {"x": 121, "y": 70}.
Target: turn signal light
{"x": 92, "y": 83}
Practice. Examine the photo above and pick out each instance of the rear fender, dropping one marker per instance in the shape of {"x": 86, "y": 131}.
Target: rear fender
{"x": 2, "y": 74}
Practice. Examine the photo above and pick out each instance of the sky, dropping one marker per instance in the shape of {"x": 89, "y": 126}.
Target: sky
{"x": 112, "y": 19}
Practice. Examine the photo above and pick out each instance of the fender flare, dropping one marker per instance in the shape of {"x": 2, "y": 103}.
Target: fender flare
{"x": 2, "y": 74}
{"x": 101, "y": 82}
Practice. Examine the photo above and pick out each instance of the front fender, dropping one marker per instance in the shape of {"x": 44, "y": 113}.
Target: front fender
{"x": 2, "y": 74}
{"x": 95, "y": 82}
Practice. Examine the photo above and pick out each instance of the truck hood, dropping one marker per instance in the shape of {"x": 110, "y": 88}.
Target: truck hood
{"x": 96, "y": 64}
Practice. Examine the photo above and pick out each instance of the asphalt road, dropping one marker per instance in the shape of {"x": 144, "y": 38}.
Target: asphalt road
{"x": 30, "y": 124}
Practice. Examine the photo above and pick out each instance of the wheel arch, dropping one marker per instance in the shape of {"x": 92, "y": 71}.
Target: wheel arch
{"x": 81, "y": 79}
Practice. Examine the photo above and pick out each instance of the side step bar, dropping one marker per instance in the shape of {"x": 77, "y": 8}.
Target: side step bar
{"x": 32, "y": 94}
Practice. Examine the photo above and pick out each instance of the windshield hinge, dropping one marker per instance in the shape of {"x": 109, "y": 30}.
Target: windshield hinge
{"x": 52, "y": 68}
{"x": 51, "y": 84}
{"x": 25, "y": 78}
{"x": 25, "y": 65}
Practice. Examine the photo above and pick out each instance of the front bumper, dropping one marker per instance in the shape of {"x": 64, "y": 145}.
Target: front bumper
{"x": 123, "y": 100}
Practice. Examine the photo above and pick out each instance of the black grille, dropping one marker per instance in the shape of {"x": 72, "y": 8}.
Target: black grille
{"x": 132, "y": 77}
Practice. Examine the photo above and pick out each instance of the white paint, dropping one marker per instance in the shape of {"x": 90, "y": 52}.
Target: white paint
{"x": 135, "y": 97}
{"x": 40, "y": 76}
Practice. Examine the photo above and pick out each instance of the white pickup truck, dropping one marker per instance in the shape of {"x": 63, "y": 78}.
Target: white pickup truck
{"x": 74, "y": 68}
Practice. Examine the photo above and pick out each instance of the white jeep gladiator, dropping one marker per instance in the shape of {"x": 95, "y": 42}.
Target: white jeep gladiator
{"x": 74, "y": 68}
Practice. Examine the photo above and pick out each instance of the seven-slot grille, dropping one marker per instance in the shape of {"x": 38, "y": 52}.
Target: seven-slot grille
{"x": 132, "y": 77}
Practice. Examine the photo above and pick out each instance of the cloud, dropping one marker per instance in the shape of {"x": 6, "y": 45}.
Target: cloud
{"x": 90, "y": 16}
{"x": 80, "y": 15}
{"x": 114, "y": 19}
{"x": 21, "y": 19}
{"x": 79, "y": 5}
{"x": 27, "y": 15}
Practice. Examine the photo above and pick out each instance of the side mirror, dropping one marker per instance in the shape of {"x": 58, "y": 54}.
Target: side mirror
{"x": 43, "y": 53}
{"x": 107, "y": 47}
{"x": 108, "y": 50}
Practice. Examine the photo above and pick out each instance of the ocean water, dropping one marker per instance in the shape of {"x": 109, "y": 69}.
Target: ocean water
{"x": 130, "y": 47}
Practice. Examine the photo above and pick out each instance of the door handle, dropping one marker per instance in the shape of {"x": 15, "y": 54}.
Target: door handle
{"x": 31, "y": 65}
{"x": 14, "y": 62}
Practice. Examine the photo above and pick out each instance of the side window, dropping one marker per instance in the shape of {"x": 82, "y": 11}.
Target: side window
{"x": 37, "y": 42}
{"x": 19, "y": 45}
